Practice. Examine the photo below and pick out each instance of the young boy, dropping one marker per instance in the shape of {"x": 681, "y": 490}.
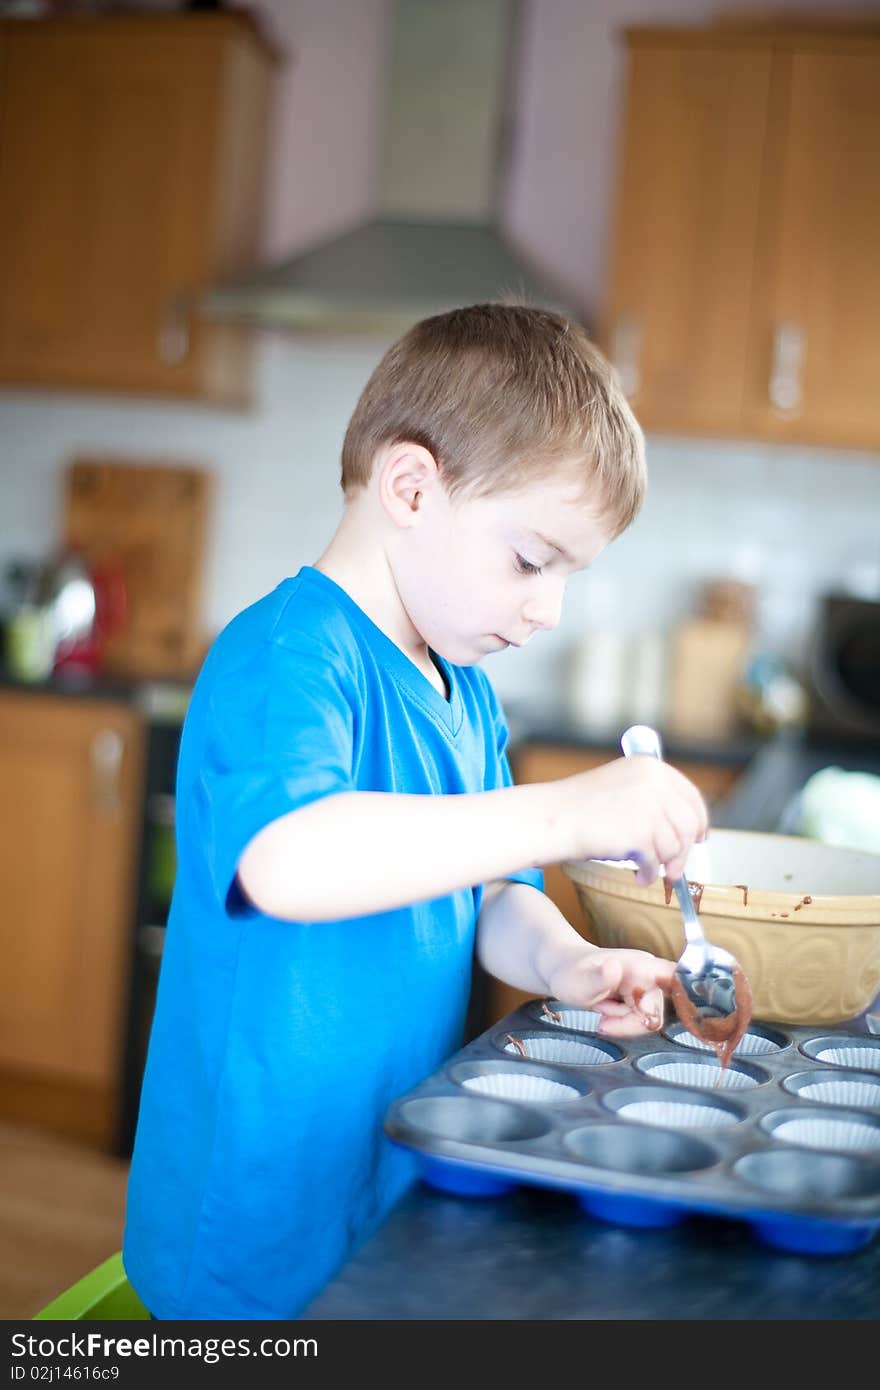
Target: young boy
{"x": 347, "y": 827}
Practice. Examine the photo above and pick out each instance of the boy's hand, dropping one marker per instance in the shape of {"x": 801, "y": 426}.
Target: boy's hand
{"x": 627, "y": 987}
{"x": 634, "y": 808}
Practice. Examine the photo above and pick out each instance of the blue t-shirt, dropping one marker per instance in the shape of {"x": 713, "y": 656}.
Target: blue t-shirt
{"x": 260, "y": 1161}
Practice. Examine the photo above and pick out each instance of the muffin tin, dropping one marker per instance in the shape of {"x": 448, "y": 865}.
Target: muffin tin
{"x": 649, "y": 1131}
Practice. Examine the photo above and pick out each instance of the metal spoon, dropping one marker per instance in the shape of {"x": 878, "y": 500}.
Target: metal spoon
{"x": 706, "y": 972}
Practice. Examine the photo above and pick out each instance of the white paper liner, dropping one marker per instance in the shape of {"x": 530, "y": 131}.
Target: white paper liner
{"x": 517, "y": 1086}
{"x": 676, "y": 1115}
{"x": 750, "y": 1045}
{"x": 865, "y": 1058}
{"x": 691, "y": 1074}
{"x": 846, "y": 1135}
{"x": 581, "y": 1020}
{"x": 560, "y": 1050}
{"x": 833, "y": 1092}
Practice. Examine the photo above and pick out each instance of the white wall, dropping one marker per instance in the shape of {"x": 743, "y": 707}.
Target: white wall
{"x": 797, "y": 520}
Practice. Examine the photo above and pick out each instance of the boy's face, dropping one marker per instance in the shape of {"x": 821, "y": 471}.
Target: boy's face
{"x": 481, "y": 574}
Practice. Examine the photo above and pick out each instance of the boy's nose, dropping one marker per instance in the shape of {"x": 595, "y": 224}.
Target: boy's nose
{"x": 544, "y": 610}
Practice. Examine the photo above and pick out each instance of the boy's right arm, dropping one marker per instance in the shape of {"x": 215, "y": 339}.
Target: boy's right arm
{"x": 356, "y": 853}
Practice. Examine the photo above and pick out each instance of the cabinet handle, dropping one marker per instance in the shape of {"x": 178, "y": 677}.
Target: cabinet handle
{"x": 626, "y": 346}
{"x": 108, "y": 746}
{"x": 172, "y": 341}
{"x": 789, "y": 348}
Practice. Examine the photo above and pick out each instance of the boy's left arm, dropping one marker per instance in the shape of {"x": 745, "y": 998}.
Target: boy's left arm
{"x": 524, "y": 940}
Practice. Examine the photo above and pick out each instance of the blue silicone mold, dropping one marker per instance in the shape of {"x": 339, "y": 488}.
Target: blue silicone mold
{"x": 649, "y": 1132}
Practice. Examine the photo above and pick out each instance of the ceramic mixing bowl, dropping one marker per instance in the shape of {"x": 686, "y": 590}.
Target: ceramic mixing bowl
{"x": 801, "y": 917}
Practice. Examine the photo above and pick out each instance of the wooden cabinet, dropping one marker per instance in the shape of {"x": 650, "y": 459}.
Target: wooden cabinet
{"x": 547, "y": 762}
{"x": 71, "y": 771}
{"x": 131, "y": 155}
{"x": 744, "y": 289}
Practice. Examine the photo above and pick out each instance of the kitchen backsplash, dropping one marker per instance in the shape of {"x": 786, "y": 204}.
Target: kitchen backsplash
{"x": 794, "y": 522}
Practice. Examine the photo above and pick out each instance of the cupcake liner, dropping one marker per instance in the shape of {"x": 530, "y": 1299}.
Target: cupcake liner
{"x": 693, "y": 1074}
{"x": 518, "y": 1086}
{"x": 845, "y": 1135}
{"x": 865, "y": 1058}
{"x": 835, "y": 1092}
{"x": 751, "y": 1045}
{"x": 560, "y": 1050}
{"x": 676, "y": 1115}
{"x": 581, "y": 1020}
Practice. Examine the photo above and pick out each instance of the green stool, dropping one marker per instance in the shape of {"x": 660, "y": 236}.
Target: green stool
{"x": 103, "y": 1294}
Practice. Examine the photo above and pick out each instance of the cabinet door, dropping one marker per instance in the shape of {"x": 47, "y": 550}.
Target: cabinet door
{"x": 676, "y": 324}
{"x": 70, "y": 770}
{"x": 111, "y": 142}
{"x": 815, "y": 345}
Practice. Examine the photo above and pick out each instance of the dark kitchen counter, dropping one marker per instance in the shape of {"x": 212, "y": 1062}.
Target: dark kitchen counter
{"x": 81, "y": 687}
{"x": 534, "y": 1255}
{"x": 158, "y": 700}
{"x": 528, "y": 726}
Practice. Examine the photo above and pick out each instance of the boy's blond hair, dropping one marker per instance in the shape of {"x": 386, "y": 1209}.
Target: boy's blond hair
{"x": 502, "y": 394}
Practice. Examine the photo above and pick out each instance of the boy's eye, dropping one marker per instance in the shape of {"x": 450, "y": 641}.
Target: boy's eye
{"x": 525, "y": 566}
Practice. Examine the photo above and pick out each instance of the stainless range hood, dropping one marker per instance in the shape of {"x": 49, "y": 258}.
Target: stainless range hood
{"x": 433, "y": 243}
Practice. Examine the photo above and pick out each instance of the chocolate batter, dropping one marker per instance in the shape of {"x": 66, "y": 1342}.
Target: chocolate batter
{"x": 722, "y": 1033}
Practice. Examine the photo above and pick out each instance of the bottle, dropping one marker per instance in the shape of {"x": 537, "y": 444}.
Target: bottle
{"x": 646, "y": 679}
{"x": 597, "y": 681}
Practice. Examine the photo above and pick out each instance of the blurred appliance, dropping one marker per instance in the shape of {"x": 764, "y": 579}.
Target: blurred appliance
{"x": 86, "y": 605}
{"x": 434, "y": 241}
{"x": 844, "y": 673}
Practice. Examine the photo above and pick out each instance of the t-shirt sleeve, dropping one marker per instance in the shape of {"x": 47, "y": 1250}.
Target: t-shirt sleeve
{"x": 499, "y": 775}
{"x": 278, "y": 735}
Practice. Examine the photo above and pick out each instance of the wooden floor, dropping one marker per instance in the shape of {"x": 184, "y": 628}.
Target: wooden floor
{"x": 62, "y": 1208}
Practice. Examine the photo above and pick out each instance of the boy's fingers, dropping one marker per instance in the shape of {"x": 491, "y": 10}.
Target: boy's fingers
{"x": 642, "y": 1012}
{"x": 649, "y": 1008}
{"x": 630, "y": 1026}
{"x": 648, "y": 869}
{"x": 663, "y": 972}
{"x": 602, "y": 980}
{"x": 612, "y": 1008}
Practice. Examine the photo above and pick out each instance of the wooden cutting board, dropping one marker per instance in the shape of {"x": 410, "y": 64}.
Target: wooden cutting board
{"x": 707, "y": 663}
{"x": 150, "y": 519}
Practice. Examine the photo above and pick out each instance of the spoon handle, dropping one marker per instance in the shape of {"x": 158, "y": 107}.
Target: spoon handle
{"x": 641, "y": 739}
{"x": 693, "y": 931}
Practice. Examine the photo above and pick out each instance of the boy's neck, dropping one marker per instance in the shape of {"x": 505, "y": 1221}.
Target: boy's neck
{"x": 357, "y": 562}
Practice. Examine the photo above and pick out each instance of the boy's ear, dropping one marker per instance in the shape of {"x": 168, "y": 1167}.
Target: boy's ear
{"x": 406, "y": 472}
